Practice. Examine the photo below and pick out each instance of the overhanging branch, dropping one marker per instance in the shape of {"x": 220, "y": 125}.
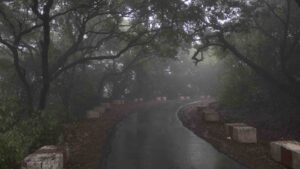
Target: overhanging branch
{"x": 200, "y": 49}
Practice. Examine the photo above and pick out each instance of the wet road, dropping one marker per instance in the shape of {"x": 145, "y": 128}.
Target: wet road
{"x": 156, "y": 139}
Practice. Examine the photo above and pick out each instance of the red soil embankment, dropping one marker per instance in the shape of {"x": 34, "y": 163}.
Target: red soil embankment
{"x": 87, "y": 138}
{"x": 254, "y": 156}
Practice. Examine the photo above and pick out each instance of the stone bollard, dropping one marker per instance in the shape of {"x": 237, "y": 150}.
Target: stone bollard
{"x": 229, "y": 128}
{"x": 244, "y": 134}
{"x": 47, "y": 157}
{"x": 211, "y": 116}
{"x": 92, "y": 114}
{"x": 286, "y": 152}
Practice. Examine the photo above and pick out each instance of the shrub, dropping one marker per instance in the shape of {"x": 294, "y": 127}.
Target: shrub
{"x": 21, "y": 137}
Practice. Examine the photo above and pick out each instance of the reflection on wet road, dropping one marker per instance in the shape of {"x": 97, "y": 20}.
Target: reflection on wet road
{"x": 156, "y": 139}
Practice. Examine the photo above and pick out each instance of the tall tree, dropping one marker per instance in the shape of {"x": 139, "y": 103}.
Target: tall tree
{"x": 58, "y": 35}
{"x": 217, "y": 23}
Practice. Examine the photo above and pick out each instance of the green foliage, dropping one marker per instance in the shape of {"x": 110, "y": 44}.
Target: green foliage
{"x": 239, "y": 86}
{"x": 16, "y": 143}
{"x": 20, "y": 137}
{"x": 83, "y": 98}
{"x": 8, "y": 113}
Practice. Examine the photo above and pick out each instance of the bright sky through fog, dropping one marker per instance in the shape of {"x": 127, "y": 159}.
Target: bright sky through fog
{"x": 187, "y": 2}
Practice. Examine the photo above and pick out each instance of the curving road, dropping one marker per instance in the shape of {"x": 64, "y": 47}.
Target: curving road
{"x": 156, "y": 139}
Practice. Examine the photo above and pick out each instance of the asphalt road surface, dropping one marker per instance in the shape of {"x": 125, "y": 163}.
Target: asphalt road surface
{"x": 156, "y": 139}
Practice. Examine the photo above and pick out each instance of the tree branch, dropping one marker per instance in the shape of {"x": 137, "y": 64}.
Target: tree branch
{"x": 200, "y": 49}
{"x": 291, "y": 90}
{"x": 273, "y": 12}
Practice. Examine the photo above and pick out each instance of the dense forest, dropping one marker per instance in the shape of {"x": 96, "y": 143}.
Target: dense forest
{"x": 59, "y": 58}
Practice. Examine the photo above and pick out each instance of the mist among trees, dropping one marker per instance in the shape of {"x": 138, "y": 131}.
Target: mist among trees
{"x": 59, "y": 58}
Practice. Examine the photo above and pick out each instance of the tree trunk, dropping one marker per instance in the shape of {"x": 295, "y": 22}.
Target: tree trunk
{"x": 22, "y": 75}
{"x": 66, "y": 93}
{"x": 43, "y": 97}
{"x": 45, "y": 53}
{"x": 298, "y": 2}
{"x": 101, "y": 85}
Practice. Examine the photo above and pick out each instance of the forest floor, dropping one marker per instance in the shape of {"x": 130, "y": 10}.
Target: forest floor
{"x": 88, "y": 139}
{"x": 253, "y": 156}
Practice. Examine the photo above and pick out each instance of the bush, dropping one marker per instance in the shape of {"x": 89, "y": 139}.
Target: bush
{"x": 21, "y": 137}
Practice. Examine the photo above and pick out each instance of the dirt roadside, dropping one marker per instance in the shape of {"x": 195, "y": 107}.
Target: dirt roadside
{"x": 253, "y": 156}
{"x": 88, "y": 139}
